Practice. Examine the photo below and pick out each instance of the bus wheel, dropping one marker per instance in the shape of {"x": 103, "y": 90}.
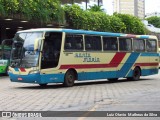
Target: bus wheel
{"x": 113, "y": 79}
{"x": 136, "y": 73}
{"x": 43, "y": 85}
{"x": 69, "y": 78}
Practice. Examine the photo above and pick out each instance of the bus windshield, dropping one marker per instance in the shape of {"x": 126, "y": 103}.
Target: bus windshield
{"x": 23, "y": 52}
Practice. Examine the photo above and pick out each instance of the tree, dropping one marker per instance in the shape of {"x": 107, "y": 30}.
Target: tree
{"x": 133, "y": 24}
{"x": 154, "y": 21}
{"x": 96, "y": 8}
{"x": 38, "y": 10}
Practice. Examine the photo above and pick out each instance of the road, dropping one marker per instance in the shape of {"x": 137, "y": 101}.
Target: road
{"x": 142, "y": 95}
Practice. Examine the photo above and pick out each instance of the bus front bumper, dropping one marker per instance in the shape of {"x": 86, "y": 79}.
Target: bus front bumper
{"x": 30, "y": 78}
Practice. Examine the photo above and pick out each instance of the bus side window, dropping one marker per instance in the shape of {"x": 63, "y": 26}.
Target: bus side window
{"x": 139, "y": 45}
{"x": 73, "y": 42}
{"x": 151, "y": 46}
{"x": 110, "y": 43}
{"x": 125, "y": 44}
{"x": 93, "y": 43}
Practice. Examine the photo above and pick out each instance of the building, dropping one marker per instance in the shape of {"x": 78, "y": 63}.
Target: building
{"x": 152, "y": 14}
{"x": 133, "y": 7}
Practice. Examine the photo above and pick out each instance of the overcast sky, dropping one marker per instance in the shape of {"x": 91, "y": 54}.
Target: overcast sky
{"x": 150, "y": 6}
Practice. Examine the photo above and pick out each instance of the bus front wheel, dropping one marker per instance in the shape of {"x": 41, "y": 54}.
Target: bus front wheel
{"x": 136, "y": 74}
{"x": 69, "y": 78}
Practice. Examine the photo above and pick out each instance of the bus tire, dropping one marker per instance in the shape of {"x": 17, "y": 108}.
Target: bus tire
{"x": 69, "y": 78}
{"x": 113, "y": 79}
{"x": 136, "y": 74}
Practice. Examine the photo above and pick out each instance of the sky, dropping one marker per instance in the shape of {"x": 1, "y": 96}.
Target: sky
{"x": 150, "y": 6}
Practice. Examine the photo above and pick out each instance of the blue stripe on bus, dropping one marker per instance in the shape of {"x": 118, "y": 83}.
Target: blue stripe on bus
{"x": 149, "y": 54}
{"x": 91, "y": 32}
{"x": 127, "y": 65}
{"x": 96, "y": 75}
{"x": 59, "y": 78}
{"x": 101, "y": 33}
{"x": 144, "y": 36}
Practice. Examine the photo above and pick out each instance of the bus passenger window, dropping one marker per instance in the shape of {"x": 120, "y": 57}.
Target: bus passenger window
{"x": 68, "y": 46}
{"x": 138, "y": 45}
{"x": 73, "y": 42}
{"x": 151, "y": 46}
{"x": 93, "y": 43}
{"x": 110, "y": 43}
{"x": 125, "y": 44}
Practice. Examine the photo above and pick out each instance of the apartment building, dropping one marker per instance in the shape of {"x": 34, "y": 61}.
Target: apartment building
{"x": 152, "y": 14}
{"x": 133, "y": 7}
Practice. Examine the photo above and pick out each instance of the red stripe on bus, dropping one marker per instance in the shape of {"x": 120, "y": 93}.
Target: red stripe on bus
{"x": 22, "y": 69}
{"x": 116, "y": 60}
{"x": 146, "y": 64}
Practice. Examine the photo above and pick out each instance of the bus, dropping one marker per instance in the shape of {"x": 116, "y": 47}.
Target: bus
{"x": 5, "y": 52}
{"x": 55, "y": 55}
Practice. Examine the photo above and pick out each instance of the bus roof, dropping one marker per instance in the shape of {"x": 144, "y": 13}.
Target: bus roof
{"x": 89, "y": 32}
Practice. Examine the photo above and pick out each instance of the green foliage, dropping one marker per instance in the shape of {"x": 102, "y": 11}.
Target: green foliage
{"x": 45, "y": 12}
{"x": 90, "y": 20}
{"x": 80, "y": 19}
{"x": 133, "y": 24}
{"x": 2, "y": 12}
{"x": 154, "y": 21}
{"x": 50, "y": 11}
{"x": 96, "y": 8}
{"x": 117, "y": 25}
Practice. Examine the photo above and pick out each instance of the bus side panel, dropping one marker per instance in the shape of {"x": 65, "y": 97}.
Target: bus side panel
{"x": 127, "y": 65}
{"x": 148, "y": 64}
{"x": 151, "y": 66}
{"x": 52, "y": 78}
{"x": 96, "y": 75}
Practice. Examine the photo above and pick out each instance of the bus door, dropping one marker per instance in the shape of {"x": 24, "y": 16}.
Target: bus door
{"x": 51, "y": 52}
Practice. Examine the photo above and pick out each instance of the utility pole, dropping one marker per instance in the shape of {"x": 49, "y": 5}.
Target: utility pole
{"x": 86, "y": 4}
{"x": 98, "y": 2}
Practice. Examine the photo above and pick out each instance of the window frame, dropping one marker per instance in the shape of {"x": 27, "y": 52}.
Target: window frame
{"x": 131, "y": 41}
{"x": 111, "y": 50}
{"x": 94, "y": 50}
{"x": 75, "y": 42}
{"x": 139, "y": 39}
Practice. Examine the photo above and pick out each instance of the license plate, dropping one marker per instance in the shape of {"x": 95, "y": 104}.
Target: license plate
{"x": 20, "y": 79}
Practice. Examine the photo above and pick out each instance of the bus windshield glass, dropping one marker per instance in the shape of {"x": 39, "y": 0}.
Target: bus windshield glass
{"x": 23, "y": 53}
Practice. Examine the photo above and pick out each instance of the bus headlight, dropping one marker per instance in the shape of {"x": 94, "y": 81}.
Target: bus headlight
{"x": 34, "y": 71}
